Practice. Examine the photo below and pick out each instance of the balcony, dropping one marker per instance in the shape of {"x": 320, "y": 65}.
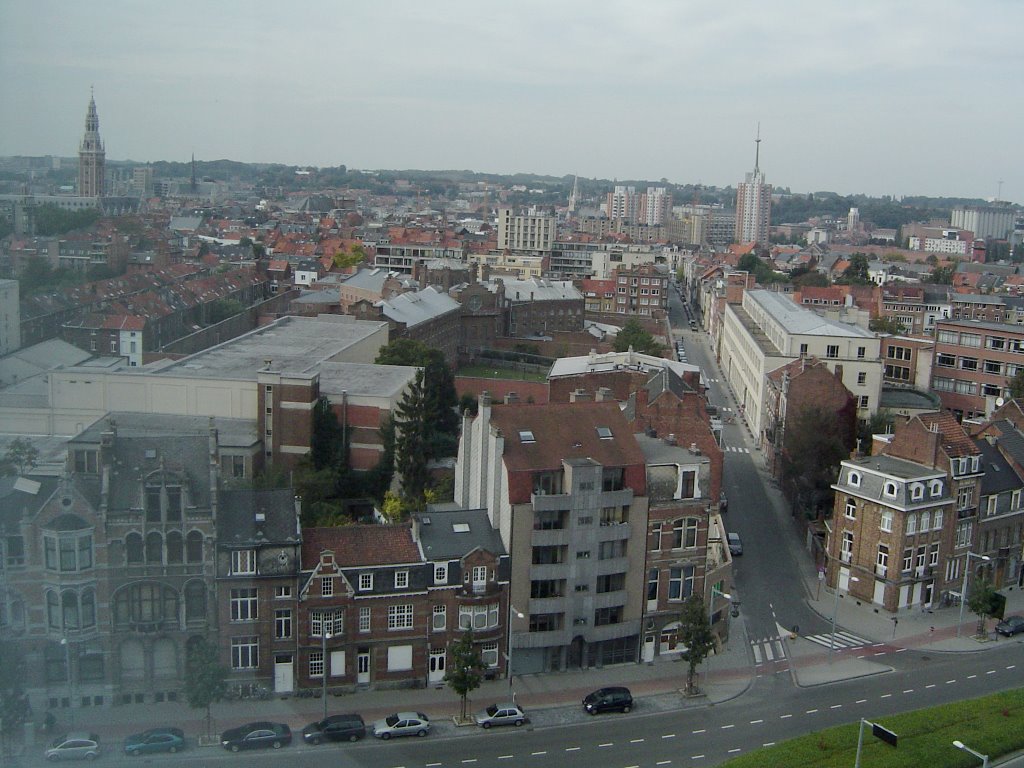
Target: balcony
{"x": 608, "y": 599}
{"x": 550, "y": 538}
{"x": 549, "y": 604}
{"x": 543, "y": 502}
{"x": 612, "y": 565}
{"x": 546, "y": 571}
{"x": 614, "y": 531}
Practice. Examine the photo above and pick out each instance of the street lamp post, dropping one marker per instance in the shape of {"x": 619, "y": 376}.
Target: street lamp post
{"x": 963, "y": 590}
{"x": 512, "y": 610}
{"x": 71, "y": 681}
{"x": 835, "y": 610}
{"x": 960, "y": 745}
{"x": 325, "y": 635}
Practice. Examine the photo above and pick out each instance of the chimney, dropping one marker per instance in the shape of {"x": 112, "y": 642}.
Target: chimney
{"x": 579, "y": 396}
{"x": 670, "y": 439}
{"x": 511, "y": 398}
{"x": 415, "y": 528}
{"x": 604, "y": 394}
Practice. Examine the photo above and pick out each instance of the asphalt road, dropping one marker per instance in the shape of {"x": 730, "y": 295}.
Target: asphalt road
{"x": 772, "y": 711}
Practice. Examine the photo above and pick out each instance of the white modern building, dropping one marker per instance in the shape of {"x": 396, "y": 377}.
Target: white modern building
{"x": 767, "y": 330}
{"x": 753, "y": 205}
{"x": 529, "y": 232}
{"x": 984, "y": 221}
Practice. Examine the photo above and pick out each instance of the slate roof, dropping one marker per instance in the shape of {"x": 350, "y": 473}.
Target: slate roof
{"x": 21, "y": 498}
{"x": 361, "y": 545}
{"x": 875, "y": 469}
{"x": 565, "y": 431}
{"x": 236, "y": 517}
{"x": 417, "y": 307}
{"x": 440, "y": 540}
{"x": 536, "y": 289}
{"x": 999, "y": 476}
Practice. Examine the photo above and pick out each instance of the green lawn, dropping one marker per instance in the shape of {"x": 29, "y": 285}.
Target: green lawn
{"x": 488, "y": 372}
{"x": 992, "y": 725}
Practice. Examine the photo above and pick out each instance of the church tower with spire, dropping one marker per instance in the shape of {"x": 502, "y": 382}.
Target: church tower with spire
{"x": 91, "y": 155}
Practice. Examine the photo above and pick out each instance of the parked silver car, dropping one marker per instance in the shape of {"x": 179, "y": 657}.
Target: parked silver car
{"x": 76, "y": 745}
{"x": 402, "y": 724}
{"x": 501, "y": 714}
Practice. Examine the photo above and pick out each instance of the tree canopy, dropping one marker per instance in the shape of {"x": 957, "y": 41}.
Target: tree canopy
{"x": 857, "y": 272}
{"x": 205, "y": 677}
{"x": 815, "y": 442}
{"x": 633, "y": 335}
{"x": 695, "y": 633}
{"x": 465, "y": 668}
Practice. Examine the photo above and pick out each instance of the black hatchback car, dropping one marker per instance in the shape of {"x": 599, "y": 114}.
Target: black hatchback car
{"x": 256, "y": 735}
{"x": 335, "y": 728}
{"x": 608, "y": 700}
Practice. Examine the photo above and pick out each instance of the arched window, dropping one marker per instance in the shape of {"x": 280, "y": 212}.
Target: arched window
{"x": 175, "y": 547}
{"x": 52, "y": 610}
{"x": 194, "y": 547}
{"x": 855, "y": 478}
{"x": 851, "y": 507}
{"x": 154, "y": 548}
{"x": 152, "y": 605}
{"x": 195, "y": 601}
{"x": 917, "y": 491}
{"x": 133, "y": 548}
{"x": 890, "y": 489}
{"x": 88, "y": 609}
{"x": 69, "y": 607}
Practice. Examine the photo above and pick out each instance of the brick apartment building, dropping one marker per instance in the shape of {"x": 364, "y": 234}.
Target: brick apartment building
{"x": 974, "y": 362}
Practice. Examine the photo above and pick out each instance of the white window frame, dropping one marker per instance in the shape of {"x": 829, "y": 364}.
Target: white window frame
{"x": 846, "y": 547}
{"x": 243, "y": 562}
{"x": 885, "y": 522}
{"x": 851, "y": 508}
{"x": 245, "y": 607}
{"x": 401, "y": 579}
{"x": 439, "y": 618}
{"x": 316, "y": 664}
{"x": 400, "y": 617}
{"x": 365, "y": 615}
{"x": 365, "y": 582}
{"x": 327, "y": 586}
{"x": 245, "y": 649}
{"x": 440, "y": 573}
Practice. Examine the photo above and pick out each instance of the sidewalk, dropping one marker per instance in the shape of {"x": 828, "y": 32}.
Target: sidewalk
{"x": 548, "y": 699}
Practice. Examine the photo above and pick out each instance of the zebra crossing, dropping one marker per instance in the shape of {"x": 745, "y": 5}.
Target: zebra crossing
{"x": 768, "y": 649}
{"x": 735, "y": 449}
{"x": 843, "y": 640}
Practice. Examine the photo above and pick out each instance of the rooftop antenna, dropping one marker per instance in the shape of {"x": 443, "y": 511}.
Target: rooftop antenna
{"x": 757, "y": 150}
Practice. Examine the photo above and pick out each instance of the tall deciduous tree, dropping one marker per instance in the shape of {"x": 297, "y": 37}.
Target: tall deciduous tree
{"x": 814, "y": 445}
{"x": 984, "y": 602}
{"x": 20, "y": 457}
{"x": 695, "y": 633}
{"x": 465, "y": 668}
{"x": 857, "y": 272}
{"x": 205, "y": 678}
{"x": 1016, "y": 385}
{"x": 633, "y": 335}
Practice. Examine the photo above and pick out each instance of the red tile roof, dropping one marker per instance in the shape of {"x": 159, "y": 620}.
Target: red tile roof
{"x": 359, "y": 545}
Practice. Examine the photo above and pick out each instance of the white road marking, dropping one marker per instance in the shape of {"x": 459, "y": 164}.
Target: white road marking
{"x": 1012, "y": 666}
{"x": 663, "y": 762}
{"x": 861, "y": 701}
{"x": 636, "y": 741}
{"x": 886, "y": 695}
{"x": 702, "y": 730}
{"x": 606, "y": 744}
{"x": 669, "y": 736}
{"x": 572, "y": 749}
{"x": 542, "y": 752}
{"x": 909, "y": 690}
{"x": 836, "y": 706}
{"x": 768, "y": 744}
{"x": 433, "y": 765}
{"x": 727, "y": 727}
{"x": 783, "y": 717}
{"x": 733, "y": 751}
{"x": 697, "y": 757}
{"x": 990, "y": 672}
{"x": 950, "y": 682}
{"x": 932, "y": 685}
{"x": 757, "y": 654}
{"x": 755, "y": 722}
{"x": 971, "y": 677}
{"x": 899, "y": 650}
{"x": 810, "y": 711}
{"x": 469, "y": 760}
{"x": 505, "y": 757}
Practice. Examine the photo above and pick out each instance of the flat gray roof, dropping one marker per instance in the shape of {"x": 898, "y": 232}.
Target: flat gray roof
{"x": 798, "y": 320}
{"x": 292, "y": 344}
{"x": 364, "y": 378}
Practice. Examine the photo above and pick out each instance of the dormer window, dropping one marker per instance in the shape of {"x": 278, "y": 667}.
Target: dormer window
{"x": 917, "y": 491}
{"x": 365, "y": 582}
{"x": 854, "y": 479}
{"x": 401, "y": 579}
{"x": 890, "y": 488}
{"x": 935, "y": 488}
{"x": 975, "y": 463}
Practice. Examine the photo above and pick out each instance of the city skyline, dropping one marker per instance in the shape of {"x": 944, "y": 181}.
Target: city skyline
{"x": 872, "y": 98}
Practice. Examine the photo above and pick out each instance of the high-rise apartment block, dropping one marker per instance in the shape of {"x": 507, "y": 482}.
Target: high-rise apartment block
{"x": 531, "y": 232}
{"x": 91, "y": 156}
{"x": 753, "y": 205}
{"x": 984, "y": 221}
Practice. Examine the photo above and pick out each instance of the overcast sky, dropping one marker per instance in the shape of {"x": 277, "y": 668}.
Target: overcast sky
{"x": 884, "y": 97}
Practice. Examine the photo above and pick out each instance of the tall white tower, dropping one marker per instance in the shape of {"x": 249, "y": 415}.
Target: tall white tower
{"x": 753, "y": 203}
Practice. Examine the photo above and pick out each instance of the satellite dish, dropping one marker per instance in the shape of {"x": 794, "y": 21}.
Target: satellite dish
{"x": 999, "y": 402}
